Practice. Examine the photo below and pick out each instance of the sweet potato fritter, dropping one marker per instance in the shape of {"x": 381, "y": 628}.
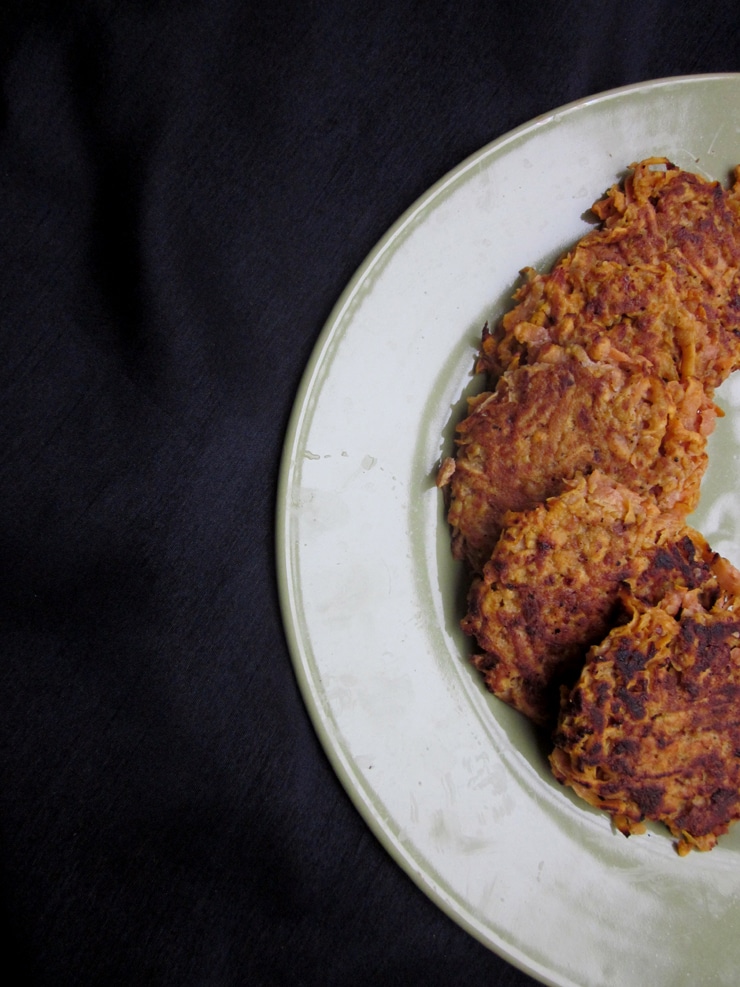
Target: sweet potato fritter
{"x": 552, "y": 585}
{"x": 651, "y": 731}
{"x": 658, "y": 278}
{"x": 568, "y": 494}
{"x": 546, "y": 422}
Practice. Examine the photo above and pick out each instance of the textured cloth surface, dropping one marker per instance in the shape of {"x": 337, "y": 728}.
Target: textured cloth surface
{"x": 185, "y": 190}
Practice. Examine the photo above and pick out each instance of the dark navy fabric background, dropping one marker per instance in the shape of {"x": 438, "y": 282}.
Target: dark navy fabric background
{"x": 185, "y": 189}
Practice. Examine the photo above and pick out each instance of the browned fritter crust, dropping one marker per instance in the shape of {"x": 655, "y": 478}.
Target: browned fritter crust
{"x": 546, "y": 422}
{"x": 567, "y": 497}
{"x": 651, "y": 731}
{"x": 659, "y": 278}
{"x": 681, "y": 562}
{"x": 552, "y": 585}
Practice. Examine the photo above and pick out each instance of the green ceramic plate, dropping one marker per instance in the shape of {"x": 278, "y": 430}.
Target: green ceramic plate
{"x": 453, "y": 782}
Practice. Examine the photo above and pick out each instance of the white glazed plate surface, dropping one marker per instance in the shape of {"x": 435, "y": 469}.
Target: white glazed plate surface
{"x": 451, "y": 781}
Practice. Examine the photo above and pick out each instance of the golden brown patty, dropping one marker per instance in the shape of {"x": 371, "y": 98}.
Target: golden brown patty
{"x": 549, "y": 421}
{"x": 659, "y": 279}
{"x": 552, "y": 585}
{"x": 651, "y": 731}
{"x": 567, "y": 496}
